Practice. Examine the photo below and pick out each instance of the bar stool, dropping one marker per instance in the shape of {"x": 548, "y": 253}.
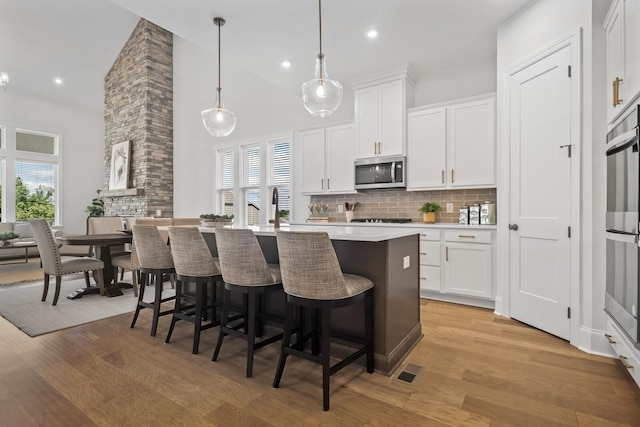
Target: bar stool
{"x": 245, "y": 270}
{"x": 312, "y": 278}
{"x": 155, "y": 260}
{"x": 194, "y": 264}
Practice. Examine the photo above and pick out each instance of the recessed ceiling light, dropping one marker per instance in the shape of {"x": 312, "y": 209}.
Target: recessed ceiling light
{"x": 57, "y": 81}
{"x": 372, "y": 34}
{"x": 285, "y": 64}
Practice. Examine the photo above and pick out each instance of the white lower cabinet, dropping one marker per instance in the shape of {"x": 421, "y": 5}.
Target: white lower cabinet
{"x": 624, "y": 348}
{"x": 458, "y": 266}
{"x": 430, "y": 249}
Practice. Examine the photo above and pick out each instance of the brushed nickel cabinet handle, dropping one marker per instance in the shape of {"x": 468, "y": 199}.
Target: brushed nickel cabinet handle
{"x": 610, "y": 339}
{"x": 322, "y": 184}
{"x": 328, "y": 184}
{"x": 466, "y": 236}
{"x": 452, "y": 180}
{"x": 446, "y": 253}
{"x": 423, "y": 253}
{"x": 423, "y": 278}
{"x": 626, "y": 364}
{"x": 443, "y": 176}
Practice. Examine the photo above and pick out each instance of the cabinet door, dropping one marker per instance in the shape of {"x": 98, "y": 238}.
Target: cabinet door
{"x": 426, "y": 149}
{"x": 366, "y": 121}
{"x": 430, "y": 278}
{"x": 631, "y": 49}
{"x": 471, "y": 144}
{"x": 340, "y": 157}
{"x": 615, "y": 65}
{"x": 313, "y": 163}
{"x": 467, "y": 269}
{"x": 391, "y": 112}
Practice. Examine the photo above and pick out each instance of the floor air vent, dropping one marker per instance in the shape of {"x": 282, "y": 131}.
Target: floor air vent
{"x": 409, "y": 373}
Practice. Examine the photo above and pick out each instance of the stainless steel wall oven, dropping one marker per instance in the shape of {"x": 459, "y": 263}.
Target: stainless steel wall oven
{"x": 622, "y": 228}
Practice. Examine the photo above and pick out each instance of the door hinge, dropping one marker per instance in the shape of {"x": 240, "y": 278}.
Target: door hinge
{"x": 569, "y": 71}
{"x": 568, "y": 312}
{"x": 569, "y": 232}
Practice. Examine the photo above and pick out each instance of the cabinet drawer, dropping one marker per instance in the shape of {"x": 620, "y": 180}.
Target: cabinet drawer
{"x": 429, "y": 278}
{"x": 433, "y": 235}
{"x": 625, "y": 350}
{"x": 468, "y": 236}
{"x": 429, "y": 253}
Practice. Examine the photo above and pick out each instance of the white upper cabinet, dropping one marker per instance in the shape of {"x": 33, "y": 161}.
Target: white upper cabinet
{"x": 380, "y": 107}
{"x": 427, "y": 148}
{"x": 327, "y": 160}
{"x": 471, "y": 148}
{"x": 623, "y": 55}
{"x": 452, "y": 145}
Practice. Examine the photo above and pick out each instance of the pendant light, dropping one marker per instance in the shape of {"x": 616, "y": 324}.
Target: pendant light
{"x": 218, "y": 120}
{"x": 321, "y": 95}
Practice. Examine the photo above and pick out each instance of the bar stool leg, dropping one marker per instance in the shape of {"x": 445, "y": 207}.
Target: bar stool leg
{"x": 200, "y": 298}
{"x": 286, "y": 339}
{"x": 156, "y": 304}
{"x": 251, "y": 329}
{"x": 143, "y": 285}
{"x": 368, "y": 318}
{"x": 177, "y": 309}
{"x": 226, "y": 302}
{"x": 325, "y": 343}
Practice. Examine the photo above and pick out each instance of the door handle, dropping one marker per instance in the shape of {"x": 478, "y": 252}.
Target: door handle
{"x": 513, "y": 227}
{"x": 616, "y": 92}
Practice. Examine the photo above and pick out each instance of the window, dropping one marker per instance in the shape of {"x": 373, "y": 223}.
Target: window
{"x": 248, "y": 173}
{"x": 226, "y": 160}
{"x": 279, "y": 171}
{"x": 29, "y": 163}
{"x": 251, "y": 171}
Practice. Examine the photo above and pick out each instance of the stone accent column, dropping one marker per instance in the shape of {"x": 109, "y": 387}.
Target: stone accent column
{"x": 139, "y": 108}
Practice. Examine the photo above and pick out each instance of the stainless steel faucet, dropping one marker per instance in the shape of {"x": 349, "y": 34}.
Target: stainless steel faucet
{"x": 274, "y": 201}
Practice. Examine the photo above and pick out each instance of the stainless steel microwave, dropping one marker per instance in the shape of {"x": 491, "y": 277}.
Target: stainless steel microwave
{"x": 381, "y": 172}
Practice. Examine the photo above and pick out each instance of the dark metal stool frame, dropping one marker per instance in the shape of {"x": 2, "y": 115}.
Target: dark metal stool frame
{"x": 322, "y": 309}
{"x": 157, "y": 274}
{"x": 198, "y": 311}
{"x": 252, "y": 320}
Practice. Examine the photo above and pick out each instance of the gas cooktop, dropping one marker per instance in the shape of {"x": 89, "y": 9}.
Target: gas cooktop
{"x": 381, "y": 220}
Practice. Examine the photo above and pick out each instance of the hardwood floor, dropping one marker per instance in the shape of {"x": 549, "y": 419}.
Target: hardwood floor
{"x": 473, "y": 369}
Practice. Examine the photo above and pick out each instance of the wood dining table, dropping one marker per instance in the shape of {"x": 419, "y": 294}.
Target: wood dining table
{"x": 102, "y": 244}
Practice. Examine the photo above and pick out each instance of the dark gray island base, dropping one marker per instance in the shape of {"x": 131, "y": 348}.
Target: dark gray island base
{"x": 381, "y": 257}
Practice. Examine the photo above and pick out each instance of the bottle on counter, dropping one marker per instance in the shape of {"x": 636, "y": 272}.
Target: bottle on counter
{"x": 474, "y": 214}
{"x": 464, "y": 215}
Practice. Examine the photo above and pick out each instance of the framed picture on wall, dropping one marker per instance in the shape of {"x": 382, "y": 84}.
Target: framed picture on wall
{"x": 119, "y": 175}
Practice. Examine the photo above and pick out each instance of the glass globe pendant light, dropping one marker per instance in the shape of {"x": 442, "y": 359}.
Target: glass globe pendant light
{"x": 321, "y": 95}
{"x": 218, "y": 120}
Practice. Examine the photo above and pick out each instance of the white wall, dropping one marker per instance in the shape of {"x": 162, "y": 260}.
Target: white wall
{"x": 535, "y": 27}
{"x": 82, "y": 149}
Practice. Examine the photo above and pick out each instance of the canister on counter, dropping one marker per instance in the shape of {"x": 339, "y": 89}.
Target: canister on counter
{"x": 474, "y": 214}
{"x": 464, "y": 215}
{"x": 487, "y": 213}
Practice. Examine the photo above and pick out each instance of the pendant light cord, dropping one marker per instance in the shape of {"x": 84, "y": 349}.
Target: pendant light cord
{"x": 321, "y": 56}
{"x": 219, "y": 77}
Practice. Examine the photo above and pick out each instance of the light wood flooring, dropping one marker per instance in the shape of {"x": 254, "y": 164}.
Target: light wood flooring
{"x": 476, "y": 369}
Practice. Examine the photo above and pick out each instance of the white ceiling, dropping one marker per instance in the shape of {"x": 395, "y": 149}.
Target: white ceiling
{"x": 78, "y": 40}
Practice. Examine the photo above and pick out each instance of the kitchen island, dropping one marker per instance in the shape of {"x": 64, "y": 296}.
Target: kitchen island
{"x": 387, "y": 256}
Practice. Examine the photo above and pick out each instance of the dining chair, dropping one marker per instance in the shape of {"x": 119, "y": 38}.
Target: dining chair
{"x": 53, "y": 264}
{"x": 245, "y": 271}
{"x": 127, "y": 261}
{"x": 155, "y": 260}
{"x": 312, "y": 279}
{"x": 194, "y": 264}
{"x": 186, "y": 221}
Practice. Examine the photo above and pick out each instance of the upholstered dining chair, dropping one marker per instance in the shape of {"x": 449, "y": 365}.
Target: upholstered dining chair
{"x": 186, "y": 221}
{"x": 194, "y": 264}
{"x": 244, "y": 270}
{"x": 127, "y": 261}
{"x": 54, "y": 265}
{"x": 155, "y": 260}
{"x": 312, "y": 278}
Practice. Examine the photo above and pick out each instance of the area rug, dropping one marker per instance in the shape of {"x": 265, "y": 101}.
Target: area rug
{"x": 20, "y": 304}
{"x": 17, "y": 271}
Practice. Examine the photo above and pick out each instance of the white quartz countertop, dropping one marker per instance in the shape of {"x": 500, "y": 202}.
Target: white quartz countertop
{"x": 418, "y": 225}
{"x": 336, "y": 231}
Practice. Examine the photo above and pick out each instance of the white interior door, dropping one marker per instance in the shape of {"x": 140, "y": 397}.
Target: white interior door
{"x": 540, "y": 130}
